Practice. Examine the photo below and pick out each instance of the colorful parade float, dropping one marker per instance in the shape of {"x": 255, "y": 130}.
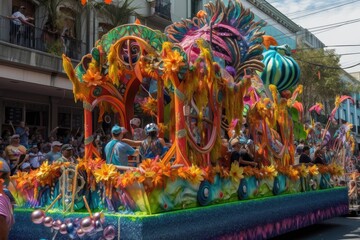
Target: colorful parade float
{"x": 214, "y": 74}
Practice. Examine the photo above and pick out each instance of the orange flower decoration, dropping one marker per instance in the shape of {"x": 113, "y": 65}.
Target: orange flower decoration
{"x": 93, "y": 78}
{"x": 126, "y": 179}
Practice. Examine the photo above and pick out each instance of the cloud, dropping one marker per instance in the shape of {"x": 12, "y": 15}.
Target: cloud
{"x": 344, "y": 35}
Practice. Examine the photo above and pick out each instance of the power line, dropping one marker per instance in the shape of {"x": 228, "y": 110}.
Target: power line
{"x": 284, "y": 35}
{"x": 309, "y": 10}
{"x": 325, "y": 66}
{"x": 325, "y": 28}
{"x": 336, "y": 24}
{"x": 324, "y": 10}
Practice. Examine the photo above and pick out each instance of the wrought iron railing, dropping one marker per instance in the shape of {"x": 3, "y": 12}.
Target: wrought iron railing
{"x": 40, "y": 39}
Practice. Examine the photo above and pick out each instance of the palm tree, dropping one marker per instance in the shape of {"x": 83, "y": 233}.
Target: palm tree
{"x": 117, "y": 13}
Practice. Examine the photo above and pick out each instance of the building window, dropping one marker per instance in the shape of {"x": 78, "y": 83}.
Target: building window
{"x": 13, "y": 115}
{"x": 163, "y": 9}
{"x": 344, "y": 117}
{"x": 196, "y": 6}
{"x": 70, "y": 118}
{"x": 352, "y": 118}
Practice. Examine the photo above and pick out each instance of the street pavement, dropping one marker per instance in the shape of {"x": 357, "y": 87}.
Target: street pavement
{"x": 333, "y": 229}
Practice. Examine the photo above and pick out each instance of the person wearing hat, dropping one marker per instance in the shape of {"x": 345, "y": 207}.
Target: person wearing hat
{"x": 6, "y": 208}
{"x": 241, "y": 153}
{"x": 14, "y": 150}
{"x": 25, "y": 167}
{"x": 137, "y": 132}
{"x": 67, "y": 152}
{"x": 55, "y": 153}
{"x": 35, "y": 156}
{"x": 116, "y": 150}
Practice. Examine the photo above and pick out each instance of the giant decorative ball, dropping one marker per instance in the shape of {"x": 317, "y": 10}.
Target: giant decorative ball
{"x": 86, "y": 224}
{"x": 38, "y": 216}
{"x": 109, "y": 232}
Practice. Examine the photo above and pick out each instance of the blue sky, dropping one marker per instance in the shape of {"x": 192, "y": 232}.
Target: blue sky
{"x": 344, "y": 35}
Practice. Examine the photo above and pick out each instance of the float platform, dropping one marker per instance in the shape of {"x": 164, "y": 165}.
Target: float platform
{"x": 246, "y": 219}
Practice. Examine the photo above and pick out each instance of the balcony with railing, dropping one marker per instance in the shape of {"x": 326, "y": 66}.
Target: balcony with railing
{"x": 43, "y": 40}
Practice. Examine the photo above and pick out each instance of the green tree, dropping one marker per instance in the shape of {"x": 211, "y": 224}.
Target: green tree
{"x": 321, "y": 78}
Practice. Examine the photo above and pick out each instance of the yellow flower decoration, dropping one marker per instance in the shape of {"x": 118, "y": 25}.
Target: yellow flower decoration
{"x": 195, "y": 174}
{"x": 46, "y": 173}
{"x": 269, "y": 172}
{"x": 336, "y": 170}
{"x": 173, "y": 62}
{"x": 236, "y": 172}
{"x": 105, "y": 173}
{"x": 313, "y": 170}
{"x": 303, "y": 170}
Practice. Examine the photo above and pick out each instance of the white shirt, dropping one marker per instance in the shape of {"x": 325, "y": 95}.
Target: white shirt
{"x": 35, "y": 159}
{"x": 18, "y": 15}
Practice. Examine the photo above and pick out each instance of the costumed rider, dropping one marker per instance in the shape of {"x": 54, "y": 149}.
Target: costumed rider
{"x": 241, "y": 152}
{"x": 152, "y": 146}
{"x": 137, "y": 132}
{"x": 116, "y": 150}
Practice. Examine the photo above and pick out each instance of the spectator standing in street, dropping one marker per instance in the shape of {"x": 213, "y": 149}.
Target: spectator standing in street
{"x": 23, "y": 132}
{"x": 35, "y": 156}
{"x": 55, "y": 153}
{"x": 14, "y": 150}
{"x": 66, "y": 154}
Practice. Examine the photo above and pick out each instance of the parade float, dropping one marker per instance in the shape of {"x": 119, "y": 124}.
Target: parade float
{"x": 217, "y": 70}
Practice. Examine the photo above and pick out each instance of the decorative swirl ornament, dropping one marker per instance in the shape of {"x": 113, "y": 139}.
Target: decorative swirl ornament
{"x": 243, "y": 189}
{"x": 204, "y": 194}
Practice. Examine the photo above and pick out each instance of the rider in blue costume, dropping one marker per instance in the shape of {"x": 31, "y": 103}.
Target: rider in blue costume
{"x": 116, "y": 150}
